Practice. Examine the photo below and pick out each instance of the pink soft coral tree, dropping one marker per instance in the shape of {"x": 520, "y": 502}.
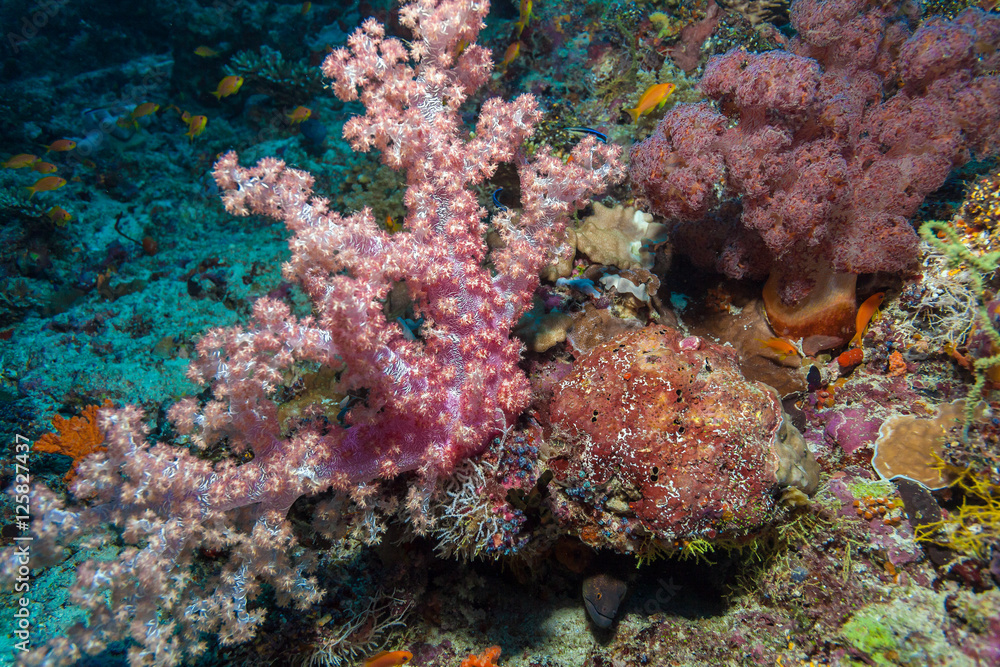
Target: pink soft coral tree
{"x": 428, "y": 402}
{"x": 424, "y": 402}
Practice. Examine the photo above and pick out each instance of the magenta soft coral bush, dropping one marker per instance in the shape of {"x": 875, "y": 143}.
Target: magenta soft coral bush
{"x": 830, "y": 146}
{"x": 679, "y": 165}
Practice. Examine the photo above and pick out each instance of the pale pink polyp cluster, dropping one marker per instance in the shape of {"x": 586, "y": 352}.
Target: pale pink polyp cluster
{"x": 431, "y": 402}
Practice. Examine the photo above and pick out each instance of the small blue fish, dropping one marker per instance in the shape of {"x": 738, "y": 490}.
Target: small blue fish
{"x": 411, "y": 328}
{"x": 603, "y": 138}
{"x": 496, "y": 200}
{"x": 582, "y": 285}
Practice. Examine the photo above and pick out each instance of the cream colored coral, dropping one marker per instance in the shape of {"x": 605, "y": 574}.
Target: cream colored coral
{"x": 562, "y": 262}
{"x": 619, "y": 237}
{"x": 548, "y": 331}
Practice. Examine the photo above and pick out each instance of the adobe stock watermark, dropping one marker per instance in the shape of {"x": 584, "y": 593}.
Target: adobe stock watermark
{"x": 277, "y": 124}
{"x": 102, "y": 123}
{"x": 22, "y": 544}
{"x": 32, "y": 22}
{"x": 666, "y": 590}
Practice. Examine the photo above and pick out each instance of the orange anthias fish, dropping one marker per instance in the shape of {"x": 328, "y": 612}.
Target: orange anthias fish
{"x": 299, "y": 114}
{"x": 206, "y": 52}
{"x": 392, "y": 226}
{"x": 46, "y": 184}
{"x": 510, "y": 54}
{"x": 20, "y": 161}
{"x": 389, "y": 659}
{"x": 865, "y": 313}
{"x": 59, "y": 215}
{"x": 44, "y": 167}
{"x": 61, "y": 146}
{"x": 144, "y": 109}
{"x": 526, "y": 14}
{"x": 654, "y": 97}
{"x": 228, "y": 86}
{"x": 781, "y": 346}
{"x": 196, "y": 125}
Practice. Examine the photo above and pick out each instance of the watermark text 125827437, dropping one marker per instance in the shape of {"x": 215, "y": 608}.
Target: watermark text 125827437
{"x": 22, "y": 543}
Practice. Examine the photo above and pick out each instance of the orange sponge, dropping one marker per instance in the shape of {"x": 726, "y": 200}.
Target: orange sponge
{"x": 487, "y": 659}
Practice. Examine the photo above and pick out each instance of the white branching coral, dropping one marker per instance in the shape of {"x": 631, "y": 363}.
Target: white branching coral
{"x": 940, "y": 309}
{"x": 362, "y": 634}
{"x": 466, "y": 522}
